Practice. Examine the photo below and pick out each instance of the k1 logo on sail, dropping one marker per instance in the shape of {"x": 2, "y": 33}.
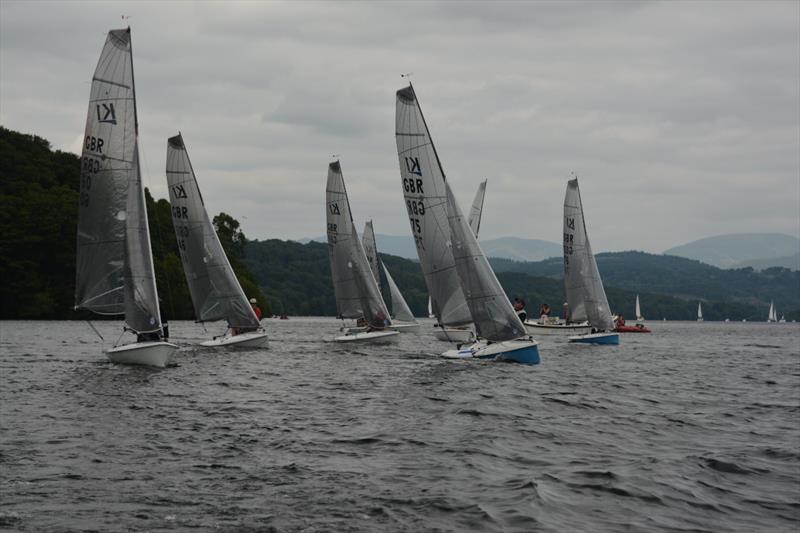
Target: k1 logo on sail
{"x": 412, "y": 165}
{"x": 106, "y": 113}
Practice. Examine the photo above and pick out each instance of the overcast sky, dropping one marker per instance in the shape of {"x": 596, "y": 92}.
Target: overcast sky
{"x": 681, "y": 119}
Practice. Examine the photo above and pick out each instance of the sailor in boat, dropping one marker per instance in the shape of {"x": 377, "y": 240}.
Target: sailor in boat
{"x": 544, "y": 313}
{"x": 620, "y": 321}
{"x": 519, "y": 307}
{"x": 257, "y": 311}
{"x": 256, "y": 308}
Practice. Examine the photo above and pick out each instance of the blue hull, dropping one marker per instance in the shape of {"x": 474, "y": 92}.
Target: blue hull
{"x": 526, "y": 356}
{"x": 597, "y": 338}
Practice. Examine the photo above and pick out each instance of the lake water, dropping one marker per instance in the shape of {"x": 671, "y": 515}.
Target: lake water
{"x": 695, "y": 427}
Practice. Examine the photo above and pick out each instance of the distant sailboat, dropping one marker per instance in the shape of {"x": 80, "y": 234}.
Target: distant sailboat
{"x": 215, "y": 291}
{"x": 357, "y": 293}
{"x": 425, "y": 198}
{"x": 699, "y": 312}
{"x": 639, "y": 317}
{"x": 772, "y": 316}
{"x": 402, "y": 318}
{"x": 585, "y": 293}
{"x": 501, "y": 334}
{"x": 114, "y": 271}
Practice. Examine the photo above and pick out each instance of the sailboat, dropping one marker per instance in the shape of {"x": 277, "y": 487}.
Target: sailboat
{"x": 475, "y": 214}
{"x": 357, "y": 293}
{"x": 639, "y": 317}
{"x": 772, "y": 316}
{"x": 423, "y": 182}
{"x": 114, "y": 270}
{"x": 699, "y": 312}
{"x": 501, "y": 334}
{"x": 215, "y": 291}
{"x": 584, "y": 288}
{"x": 402, "y": 318}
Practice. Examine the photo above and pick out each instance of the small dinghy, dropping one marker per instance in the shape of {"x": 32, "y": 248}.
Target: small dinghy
{"x": 636, "y": 328}
{"x": 216, "y": 292}
{"x": 585, "y": 293}
{"x": 558, "y": 327}
{"x": 357, "y": 293}
{"x": 501, "y": 334}
{"x": 114, "y": 262}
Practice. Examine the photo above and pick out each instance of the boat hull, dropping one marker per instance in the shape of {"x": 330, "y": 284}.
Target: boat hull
{"x": 605, "y": 337}
{"x": 456, "y": 335}
{"x": 523, "y": 350}
{"x": 253, "y": 339}
{"x": 157, "y": 353}
{"x": 405, "y": 327}
{"x": 638, "y": 328}
{"x": 375, "y": 337}
{"x": 535, "y": 328}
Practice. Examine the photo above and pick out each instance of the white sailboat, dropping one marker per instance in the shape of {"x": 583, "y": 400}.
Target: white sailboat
{"x": 215, "y": 291}
{"x": 584, "y": 288}
{"x": 699, "y": 311}
{"x": 114, "y": 271}
{"x": 357, "y": 293}
{"x": 424, "y": 194}
{"x": 639, "y": 317}
{"x": 501, "y": 334}
{"x": 772, "y": 316}
{"x": 402, "y": 318}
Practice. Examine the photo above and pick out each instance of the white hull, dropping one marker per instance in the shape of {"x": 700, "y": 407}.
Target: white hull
{"x": 253, "y": 339}
{"x": 456, "y": 335}
{"x": 158, "y": 353}
{"x": 405, "y": 327}
{"x": 369, "y": 337}
{"x": 537, "y": 329}
{"x": 603, "y": 337}
{"x": 523, "y": 350}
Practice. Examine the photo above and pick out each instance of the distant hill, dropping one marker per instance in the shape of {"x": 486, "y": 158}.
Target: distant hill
{"x": 296, "y": 277}
{"x": 759, "y": 250}
{"x": 682, "y": 278}
{"x": 513, "y": 248}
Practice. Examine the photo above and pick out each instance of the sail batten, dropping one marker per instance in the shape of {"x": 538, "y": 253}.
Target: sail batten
{"x": 215, "y": 291}
{"x": 423, "y": 182}
{"x": 585, "y": 293}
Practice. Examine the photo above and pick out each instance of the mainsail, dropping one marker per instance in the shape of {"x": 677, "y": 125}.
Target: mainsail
{"x": 423, "y": 182}
{"x": 773, "y": 315}
{"x": 400, "y": 309}
{"x": 585, "y": 294}
{"x": 372, "y": 304}
{"x": 476, "y": 211}
{"x": 638, "y": 309}
{"x": 114, "y": 267}
{"x": 216, "y": 293}
{"x": 699, "y": 311}
{"x": 340, "y": 233}
{"x": 494, "y": 318}
{"x": 371, "y": 250}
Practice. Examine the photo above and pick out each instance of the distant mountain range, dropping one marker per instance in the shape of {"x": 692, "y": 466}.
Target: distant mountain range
{"x": 513, "y": 248}
{"x": 756, "y": 250}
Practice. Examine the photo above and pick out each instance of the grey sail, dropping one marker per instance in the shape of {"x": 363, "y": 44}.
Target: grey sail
{"x": 371, "y": 249}
{"x": 476, "y": 211}
{"x": 340, "y": 234}
{"x": 372, "y": 304}
{"x": 423, "y": 183}
{"x": 107, "y": 167}
{"x": 494, "y": 318}
{"x": 585, "y": 294}
{"x": 216, "y": 293}
{"x": 400, "y": 309}
{"x": 114, "y": 267}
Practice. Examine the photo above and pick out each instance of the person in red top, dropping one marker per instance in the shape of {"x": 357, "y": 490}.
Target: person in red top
{"x": 256, "y": 308}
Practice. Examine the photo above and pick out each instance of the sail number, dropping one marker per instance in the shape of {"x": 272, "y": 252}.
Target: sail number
{"x": 180, "y": 212}
{"x": 416, "y": 229}
{"x": 89, "y": 166}
{"x": 332, "y": 233}
{"x": 93, "y": 144}
{"x": 413, "y": 185}
{"x": 415, "y": 207}
{"x": 183, "y": 232}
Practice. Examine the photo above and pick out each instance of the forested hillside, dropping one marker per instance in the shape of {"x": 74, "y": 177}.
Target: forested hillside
{"x": 38, "y": 221}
